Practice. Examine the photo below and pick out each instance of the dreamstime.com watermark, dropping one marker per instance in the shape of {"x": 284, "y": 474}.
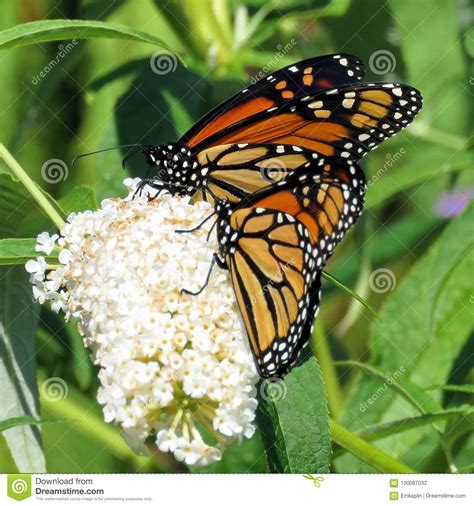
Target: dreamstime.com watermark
{"x": 390, "y": 379}
{"x": 63, "y": 51}
{"x": 163, "y": 62}
{"x": 273, "y": 389}
{"x": 54, "y": 389}
{"x": 54, "y": 171}
{"x": 281, "y": 50}
{"x": 382, "y": 62}
{"x": 19, "y": 487}
{"x": 382, "y": 280}
{"x": 390, "y": 161}
{"x": 273, "y": 170}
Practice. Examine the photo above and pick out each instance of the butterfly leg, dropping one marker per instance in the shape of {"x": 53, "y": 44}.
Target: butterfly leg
{"x": 151, "y": 184}
{"x": 215, "y": 260}
{"x": 189, "y": 230}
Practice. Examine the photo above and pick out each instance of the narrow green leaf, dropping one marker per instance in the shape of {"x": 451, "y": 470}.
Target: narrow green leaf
{"x": 293, "y": 420}
{"x": 62, "y": 29}
{"x": 414, "y": 395}
{"x": 43, "y": 200}
{"x": 24, "y": 420}
{"x": 17, "y": 251}
{"x": 469, "y": 42}
{"x": 467, "y": 389}
{"x": 387, "y": 429}
{"x": 346, "y": 289}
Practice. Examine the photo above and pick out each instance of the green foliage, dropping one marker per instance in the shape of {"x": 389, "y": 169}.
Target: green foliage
{"x": 18, "y": 320}
{"x": 17, "y": 251}
{"x": 23, "y": 420}
{"x": 293, "y": 420}
{"x": 398, "y": 386}
{"x": 55, "y": 29}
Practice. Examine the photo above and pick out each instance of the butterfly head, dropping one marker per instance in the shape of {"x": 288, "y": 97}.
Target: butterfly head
{"x": 176, "y": 165}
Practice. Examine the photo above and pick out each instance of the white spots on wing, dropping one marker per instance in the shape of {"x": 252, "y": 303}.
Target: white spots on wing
{"x": 397, "y": 92}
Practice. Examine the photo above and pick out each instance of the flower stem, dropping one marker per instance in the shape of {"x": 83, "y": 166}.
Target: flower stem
{"x": 31, "y": 186}
{"x": 323, "y": 354}
{"x": 365, "y": 451}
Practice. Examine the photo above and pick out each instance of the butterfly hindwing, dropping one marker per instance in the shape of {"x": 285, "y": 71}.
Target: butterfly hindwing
{"x": 276, "y": 245}
{"x": 235, "y": 171}
{"x": 275, "y": 288}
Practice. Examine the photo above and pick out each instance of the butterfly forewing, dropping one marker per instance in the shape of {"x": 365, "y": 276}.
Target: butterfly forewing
{"x": 295, "y": 81}
{"x": 348, "y": 121}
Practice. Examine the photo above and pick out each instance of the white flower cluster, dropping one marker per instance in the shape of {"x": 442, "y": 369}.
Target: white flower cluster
{"x": 174, "y": 366}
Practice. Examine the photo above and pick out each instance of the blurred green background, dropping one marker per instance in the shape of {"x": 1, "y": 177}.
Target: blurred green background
{"x": 410, "y": 255}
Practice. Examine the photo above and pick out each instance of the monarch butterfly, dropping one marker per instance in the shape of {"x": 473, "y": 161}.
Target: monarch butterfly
{"x": 278, "y": 161}
{"x": 275, "y": 245}
{"x": 278, "y": 125}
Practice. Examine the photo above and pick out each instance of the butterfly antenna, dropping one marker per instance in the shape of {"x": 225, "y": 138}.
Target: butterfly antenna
{"x": 106, "y": 149}
{"x": 129, "y": 155}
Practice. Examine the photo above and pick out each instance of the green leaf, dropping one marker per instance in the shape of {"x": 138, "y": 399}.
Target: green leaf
{"x": 427, "y": 320}
{"x": 46, "y": 203}
{"x": 414, "y": 395}
{"x": 467, "y": 389}
{"x": 21, "y": 214}
{"x": 350, "y": 292}
{"x": 17, "y": 251}
{"x": 24, "y": 420}
{"x": 447, "y": 98}
{"x": 18, "y": 321}
{"x": 387, "y": 429}
{"x": 293, "y": 420}
{"x": 469, "y": 42}
{"x": 419, "y": 167}
{"x": 62, "y": 29}
{"x": 79, "y": 199}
